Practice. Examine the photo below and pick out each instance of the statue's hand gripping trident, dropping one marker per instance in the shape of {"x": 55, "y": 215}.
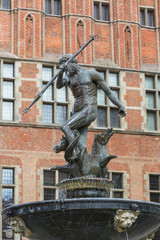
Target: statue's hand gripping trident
{"x": 61, "y": 69}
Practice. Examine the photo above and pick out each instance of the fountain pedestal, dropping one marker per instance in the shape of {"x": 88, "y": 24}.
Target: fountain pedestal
{"x": 85, "y": 188}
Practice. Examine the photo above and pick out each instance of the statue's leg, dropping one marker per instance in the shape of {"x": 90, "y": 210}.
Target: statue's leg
{"x": 83, "y": 136}
{"x": 78, "y": 121}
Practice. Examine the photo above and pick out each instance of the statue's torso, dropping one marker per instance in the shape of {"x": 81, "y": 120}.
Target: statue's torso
{"x": 84, "y": 90}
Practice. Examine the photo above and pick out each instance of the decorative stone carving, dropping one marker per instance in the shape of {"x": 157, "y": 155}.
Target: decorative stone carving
{"x": 18, "y": 226}
{"x": 85, "y": 187}
{"x": 125, "y": 219}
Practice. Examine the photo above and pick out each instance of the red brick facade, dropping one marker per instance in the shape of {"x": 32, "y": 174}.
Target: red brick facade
{"x": 30, "y": 39}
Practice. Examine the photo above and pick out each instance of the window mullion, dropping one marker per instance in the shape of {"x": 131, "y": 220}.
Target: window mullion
{"x": 100, "y": 11}
{"x": 52, "y": 7}
{"x": 146, "y": 17}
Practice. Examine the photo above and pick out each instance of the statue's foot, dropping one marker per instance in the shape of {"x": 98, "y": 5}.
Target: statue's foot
{"x": 61, "y": 168}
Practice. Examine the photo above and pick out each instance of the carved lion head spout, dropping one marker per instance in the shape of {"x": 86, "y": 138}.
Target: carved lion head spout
{"x": 18, "y": 226}
{"x": 124, "y": 219}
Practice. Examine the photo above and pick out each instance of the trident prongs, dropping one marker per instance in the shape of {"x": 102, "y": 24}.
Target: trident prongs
{"x": 26, "y": 110}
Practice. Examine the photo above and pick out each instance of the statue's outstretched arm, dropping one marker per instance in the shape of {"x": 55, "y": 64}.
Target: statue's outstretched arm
{"x": 96, "y": 76}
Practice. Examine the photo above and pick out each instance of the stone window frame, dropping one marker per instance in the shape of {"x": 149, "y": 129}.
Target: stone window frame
{"x": 15, "y": 185}
{"x": 52, "y": 8}
{"x": 125, "y": 188}
{"x": 100, "y": 4}
{"x": 156, "y": 110}
{"x": 145, "y": 11}
{"x": 54, "y": 101}
{"x": 107, "y": 105}
{"x": 2, "y": 99}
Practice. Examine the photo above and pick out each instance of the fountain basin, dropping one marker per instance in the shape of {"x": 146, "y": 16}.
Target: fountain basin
{"x": 84, "y": 218}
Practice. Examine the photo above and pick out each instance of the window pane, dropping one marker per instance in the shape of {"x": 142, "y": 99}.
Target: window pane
{"x": 8, "y": 70}
{"x": 114, "y": 118}
{"x": 149, "y": 81}
{"x": 159, "y": 101}
{"x": 7, "y": 196}
{"x": 7, "y": 111}
{"x": 100, "y": 97}
{"x": 61, "y": 94}
{"x": 115, "y": 92}
{"x": 56, "y": 7}
{"x": 46, "y": 73}
{"x": 47, "y": 113}
{"x": 118, "y": 194}
{"x": 142, "y": 17}
{"x": 101, "y": 117}
{"x": 151, "y": 121}
{"x": 117, "y": 179}
{"x": 105, "y": 12}
{"x": 7, "y": 176}
{"x": 113, "y": 79}
{"x": 7, "y": 89}
{"x": 154, "y": 182}
{"x": 49, "y": 194}
{"x": 155, "y": 197}
{"x": 150, "y": 100}
{"x": 61, "y": 114}
{"x": 96, "y": 11}
{"x": 48, "y": 6}
{"x": 158, "y": 83}
{"x": 49, "y": 178}
{"x": 150, "y": 18}
{"x": 6, "y": 4}
{"x": 47, "y": 95}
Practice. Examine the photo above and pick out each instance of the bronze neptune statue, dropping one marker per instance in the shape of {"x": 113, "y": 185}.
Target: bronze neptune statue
{"x": 83, "y": 83}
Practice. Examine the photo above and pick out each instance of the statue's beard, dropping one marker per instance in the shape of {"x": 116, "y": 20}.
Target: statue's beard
{"x": 72, "y": 69}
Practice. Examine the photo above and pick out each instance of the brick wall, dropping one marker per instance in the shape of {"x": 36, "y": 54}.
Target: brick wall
{"x": 28, "y": 143}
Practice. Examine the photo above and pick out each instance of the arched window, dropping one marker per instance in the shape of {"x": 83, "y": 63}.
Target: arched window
{"x": 80, "y": 39}
{"x": 29, "y": 28}
{"x": 128, "y": 47}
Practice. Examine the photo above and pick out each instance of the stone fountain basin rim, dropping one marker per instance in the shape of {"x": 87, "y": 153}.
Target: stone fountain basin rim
{"x": 81, "y": 203}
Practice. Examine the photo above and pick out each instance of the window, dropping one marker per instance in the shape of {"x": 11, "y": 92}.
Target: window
{"x": 147, "y": 17}
{"x": 154, "y": 186}
{"x": 152, "y": 85}
{"x": 5, "y": 4}
{"x": 101, "y": 11}
{"x": 8, "y": 186}
{"x": 50, "y": 179}
{"x": 117, "y": 178}
{"x": 7, "y": 85}
{"x": 154, "y": 191}
{"x": 54, "y": 100}
{"x": 53, "y": 7}
{"x": 105, "y": 107}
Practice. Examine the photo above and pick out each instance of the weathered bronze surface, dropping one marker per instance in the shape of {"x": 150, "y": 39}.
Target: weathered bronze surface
{"x": 84, "y": 84}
